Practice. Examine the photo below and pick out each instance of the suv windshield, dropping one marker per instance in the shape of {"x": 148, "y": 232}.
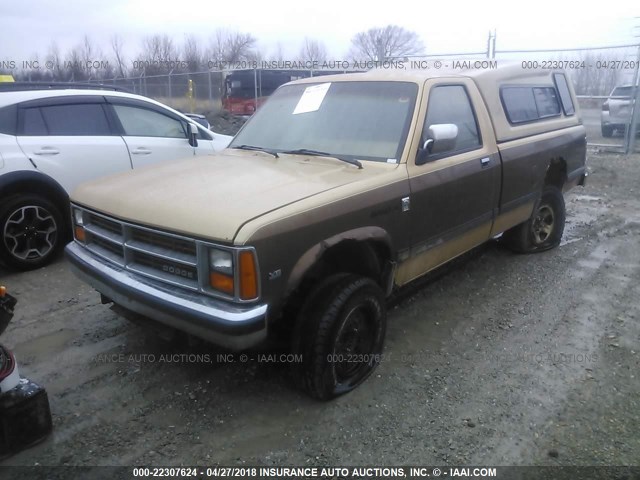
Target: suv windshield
{"x": 621, "y": 92}
{"x": 356, "y": 120}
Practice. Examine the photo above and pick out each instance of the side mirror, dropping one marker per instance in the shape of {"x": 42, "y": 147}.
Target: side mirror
{"x": 192, "y": 133}
{"x": 440, "y": 138}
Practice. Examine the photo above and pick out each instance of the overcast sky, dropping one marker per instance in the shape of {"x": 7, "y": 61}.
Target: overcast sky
{"x": 29, "y": 26}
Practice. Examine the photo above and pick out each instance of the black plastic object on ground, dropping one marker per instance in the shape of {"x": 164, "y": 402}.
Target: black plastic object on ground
{"x": 7, "y": 303}
{"x": 25, "y": 417}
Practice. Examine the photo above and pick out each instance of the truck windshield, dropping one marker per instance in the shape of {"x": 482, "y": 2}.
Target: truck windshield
{"x": 355, "y": 120}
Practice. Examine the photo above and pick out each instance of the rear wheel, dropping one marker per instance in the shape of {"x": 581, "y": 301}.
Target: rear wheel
{"x": 31, "y": 231}
{"x": 544, "y": 229}
{"x": 340, "y": 334}
{"x": 607, "y": 131}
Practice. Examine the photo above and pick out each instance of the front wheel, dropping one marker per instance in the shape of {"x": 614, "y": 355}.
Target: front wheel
{"x": 31, "y": 231}
{"x": 544, "y": 229}
{"x": 340, "y": 334}
{"x": 607, "y": 131}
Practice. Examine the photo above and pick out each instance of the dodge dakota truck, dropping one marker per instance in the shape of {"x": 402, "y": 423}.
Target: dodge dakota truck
{"x": 338, "y": 191}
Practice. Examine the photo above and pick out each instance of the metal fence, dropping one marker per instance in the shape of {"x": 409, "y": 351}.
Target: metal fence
{"x": 595, "y": 73}
{"x": 611, "y": 123}
{"x": 199, "y": 92}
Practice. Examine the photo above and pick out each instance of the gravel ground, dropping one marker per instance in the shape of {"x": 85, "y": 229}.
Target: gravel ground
{"x": 503, "y": 359}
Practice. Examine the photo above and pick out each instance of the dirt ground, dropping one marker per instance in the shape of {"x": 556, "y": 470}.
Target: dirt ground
{"x": 503, "y": 360}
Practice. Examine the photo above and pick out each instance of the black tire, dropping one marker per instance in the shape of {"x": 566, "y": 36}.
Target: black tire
{"x": 32, "y": 231}
{"x": 544, "y": 229}
{"x": 340, "y": 334}
{"x": 607, "y": 131}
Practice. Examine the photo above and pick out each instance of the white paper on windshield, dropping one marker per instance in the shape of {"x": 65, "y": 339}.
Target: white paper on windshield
{"x": 312, "y": 98}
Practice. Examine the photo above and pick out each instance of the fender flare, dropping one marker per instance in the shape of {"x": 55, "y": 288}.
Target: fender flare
{"x": 47, "y": 186}
{"x": 20, "y": 176}
{"x": 309, "y": 258}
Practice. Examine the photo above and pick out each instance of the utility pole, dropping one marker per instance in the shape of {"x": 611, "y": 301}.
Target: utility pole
{"x": 491, "y": 44}
{"x": 631, "y": 131}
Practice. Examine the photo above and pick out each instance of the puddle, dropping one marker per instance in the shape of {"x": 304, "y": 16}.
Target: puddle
{"x": 45, "y": 345}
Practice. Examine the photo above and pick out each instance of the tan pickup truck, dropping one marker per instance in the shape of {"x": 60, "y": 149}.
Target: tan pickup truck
{"x": 339, "y": 190}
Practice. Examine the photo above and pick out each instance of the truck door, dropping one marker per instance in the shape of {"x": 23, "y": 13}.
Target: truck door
{"x": 455, "y": 192}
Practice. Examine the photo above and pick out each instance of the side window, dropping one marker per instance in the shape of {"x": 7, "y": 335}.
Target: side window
{"x": 451, "y": 104}
{"x": 34, "y": 123}
{"x": 8, "y": 119}
{"x": 546, "y": 101}
{"x": 519, "y": 104}
{"x": 140, "y": 122}
{"x": 527, "y": 104}
{"x": 74, "y": 119}
{"x": 565, "y": 94}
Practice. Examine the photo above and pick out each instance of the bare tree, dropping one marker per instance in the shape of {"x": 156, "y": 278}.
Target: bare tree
{"x": 278, "y": 56}
{"x": 379, "y": 44}
{"x": 73, "y": 65}
{"x": 160, "y": 53}
{"x": 90, "y": 53}
{"x": 191, "y": 53}
{"x": 594, "y": 81}
{"x": 313, "y": 51}
{"x": 231, "y": 47}
{"x": 118, "y": 52}
{"x": 55, "y": 61}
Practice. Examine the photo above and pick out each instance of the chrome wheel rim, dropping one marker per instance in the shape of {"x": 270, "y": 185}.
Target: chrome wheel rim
{"x": 543, "y": 224}
{"x": 30, "y": 232}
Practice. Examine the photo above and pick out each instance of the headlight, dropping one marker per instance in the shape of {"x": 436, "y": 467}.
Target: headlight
{"x": 78, "y": 217}
{"x": 221, "y": 261}
{"x": 221, "y": 271}
{"x": 78, "y": 228}
{"x": 234, "y": 273}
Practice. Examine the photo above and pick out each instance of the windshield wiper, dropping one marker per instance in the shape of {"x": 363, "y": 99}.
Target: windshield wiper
{"x": 257, "y": 149}
{"x": 317, "y": 153}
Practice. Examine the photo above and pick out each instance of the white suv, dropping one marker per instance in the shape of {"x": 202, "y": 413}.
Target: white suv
{"x": 616, "y": 111}
{"x": 51, "y": 140}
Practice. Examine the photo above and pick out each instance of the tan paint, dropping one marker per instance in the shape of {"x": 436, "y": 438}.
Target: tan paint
{"x": 212, "y": 197}
{"x": 287, "y": 206}
{"x": 484, "y": 123}
{"x": 424, "y": 262}
{"x": 488, "y": 81}
{"x": 512, "y": 217}
{"x": 541, "y": 137}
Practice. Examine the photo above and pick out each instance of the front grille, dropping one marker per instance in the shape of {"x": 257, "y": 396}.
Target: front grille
{"x": 159, "y": 255}
{"x": 162, "y": 241}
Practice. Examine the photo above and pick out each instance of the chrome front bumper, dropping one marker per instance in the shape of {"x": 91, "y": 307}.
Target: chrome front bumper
{"x": 231, "y": 326}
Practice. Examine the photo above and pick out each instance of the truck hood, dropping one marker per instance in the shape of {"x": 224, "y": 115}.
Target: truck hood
{"x": 213, "y": 196}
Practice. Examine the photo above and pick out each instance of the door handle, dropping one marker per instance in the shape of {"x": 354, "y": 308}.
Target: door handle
{"x": 47, "y": 151}
{"x": 141, "y": 151}
{"x": 485, "y": 161}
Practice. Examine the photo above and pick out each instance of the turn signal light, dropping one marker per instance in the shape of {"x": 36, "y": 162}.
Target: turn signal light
{"x": 79, "y": 233}
{"x": 221, "y": 282}
{"x": 248, "y": 276}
